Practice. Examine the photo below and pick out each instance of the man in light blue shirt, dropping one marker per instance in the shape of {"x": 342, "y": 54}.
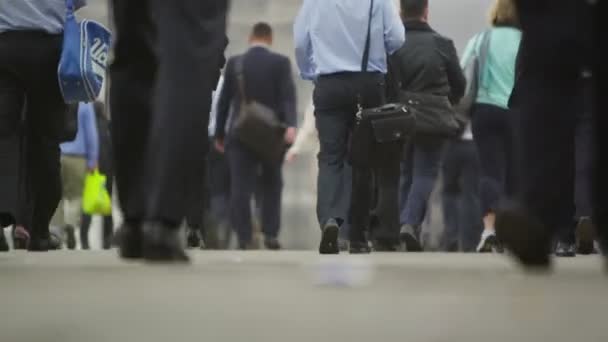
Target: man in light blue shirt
{"x": 331, "y": 38}
{"x": 34, "y": 15}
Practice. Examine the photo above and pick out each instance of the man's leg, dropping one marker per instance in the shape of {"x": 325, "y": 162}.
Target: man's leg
{"x": 387, "y": 176}
{"x": 451, "y": 196}
{"x": 190, "y": 38}
{"x": 470, "y": 222}
{"x": 272, "y": 188}
{"x": 333, "y": 184}
{"x": 132, "y": 75}
{"x": 243, "y": 166}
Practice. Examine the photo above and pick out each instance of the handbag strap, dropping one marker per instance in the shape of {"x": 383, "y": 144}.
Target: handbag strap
{"x": 365, "y": 60}
{"x": 484, "y": 50}
{"x": 239, "y": 69}
{"x": 70, "y": 8}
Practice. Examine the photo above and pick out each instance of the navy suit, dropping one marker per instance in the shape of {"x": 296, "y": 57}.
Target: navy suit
{"x": 269, "y": 81}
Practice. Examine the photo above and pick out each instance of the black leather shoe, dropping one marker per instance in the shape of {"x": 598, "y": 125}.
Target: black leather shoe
{"x": 193, "y": 239}
{"x": 585, "y": 236}
{"x": 359, "y": 247}
{"x": 272, "y": 244}
{"x": 409, "y": 238}
{"x": 565, "y": 249}
{"x": 3, "y": 244}
{"x": 524, "y": 236}
{"x": 70, "y": 236}
{"x": 162, "y": 243}
{"x": 329, "y": 238}
{"x": 129, "y": 240}
{"x": 38, "y": 244}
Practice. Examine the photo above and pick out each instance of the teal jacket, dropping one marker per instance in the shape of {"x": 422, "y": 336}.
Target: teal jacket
{"x": 498, "y": 76}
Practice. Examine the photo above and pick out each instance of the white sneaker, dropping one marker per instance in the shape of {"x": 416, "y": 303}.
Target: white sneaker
{"x": 489, "y": 243}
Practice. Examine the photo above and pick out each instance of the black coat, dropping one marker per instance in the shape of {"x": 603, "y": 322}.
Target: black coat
{"x": 427, "y": 63}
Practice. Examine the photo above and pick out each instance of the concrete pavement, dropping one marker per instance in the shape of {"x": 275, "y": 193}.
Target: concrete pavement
{"x": 298, "y": 296}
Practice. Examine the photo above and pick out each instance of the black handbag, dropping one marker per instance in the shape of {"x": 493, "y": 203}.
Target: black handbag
{"x": 391, "y": 123}
{"x": 435, "y": 116}
{"x": 257, "y": 126}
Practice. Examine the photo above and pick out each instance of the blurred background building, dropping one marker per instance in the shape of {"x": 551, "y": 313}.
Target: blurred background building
{"x": 457, "y": 19}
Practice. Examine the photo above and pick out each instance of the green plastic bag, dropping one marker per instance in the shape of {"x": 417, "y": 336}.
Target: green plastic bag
{"x": 95, "y": 198}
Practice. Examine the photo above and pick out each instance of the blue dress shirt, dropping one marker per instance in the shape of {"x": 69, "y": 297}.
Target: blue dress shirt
{"x": 330, "y": 36}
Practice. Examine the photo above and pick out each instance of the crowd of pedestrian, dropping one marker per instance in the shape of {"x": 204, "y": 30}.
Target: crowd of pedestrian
{"x": 190, "y": 139}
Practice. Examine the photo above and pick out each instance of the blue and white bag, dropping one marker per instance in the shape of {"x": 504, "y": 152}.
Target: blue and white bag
{"x": 82, "y": 68}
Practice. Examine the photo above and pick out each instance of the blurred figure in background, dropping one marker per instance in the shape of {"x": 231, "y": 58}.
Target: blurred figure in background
{"x": 160, "y": 102}
{"x": 33, "y": 114}
{"x": 551, "y": 60}
{"x": 493, "y": 123}
{"x": 105, "y": 167}
{"x": 267, "y": 79}
{"x": 331, "y": 40}
{"x": 427, "y": 64}
{"x": 77, "y": 158}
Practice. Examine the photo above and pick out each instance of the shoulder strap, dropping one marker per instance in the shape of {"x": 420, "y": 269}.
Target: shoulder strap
{"x": 69, "y": 5}
{"x": 368, "y": 39}
{"x": 240, "y": 77}
{"x": 484, "y": 49}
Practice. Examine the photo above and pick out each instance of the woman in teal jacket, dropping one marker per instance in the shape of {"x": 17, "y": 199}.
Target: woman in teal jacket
{"x": 491, "y": 120}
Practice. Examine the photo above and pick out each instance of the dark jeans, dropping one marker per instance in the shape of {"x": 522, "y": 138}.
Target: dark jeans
{"x": 419, "y": 172}
{"x": 247, "y": 183}
{"x": 32, "y": 111}
{"x": 461, "y": 204}
{"x": 336, "y": 97}
{"x": 166, "y": 59}
{"x": 493, "y": 132}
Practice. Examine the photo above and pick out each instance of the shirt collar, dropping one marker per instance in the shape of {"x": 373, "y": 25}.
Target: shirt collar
{"x": 259, "y": 45}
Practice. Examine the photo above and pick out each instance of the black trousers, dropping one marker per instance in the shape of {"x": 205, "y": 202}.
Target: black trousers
{"x": 247, "y": 183}
{"x": 494, "y": 136}
{"x": 32, "y": 113}
{"x": 166, "y": 60}
{"x": 336, "y": 98}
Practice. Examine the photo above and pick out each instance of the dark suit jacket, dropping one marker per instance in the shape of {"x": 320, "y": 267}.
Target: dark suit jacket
{"x": 268, "y": 80}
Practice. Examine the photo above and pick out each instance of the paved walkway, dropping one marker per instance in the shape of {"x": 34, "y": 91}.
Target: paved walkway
{"x": 299, "y": 296}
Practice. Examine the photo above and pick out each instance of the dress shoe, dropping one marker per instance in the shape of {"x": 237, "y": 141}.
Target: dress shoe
{"x": 385, "y": 245}
{"x": 489, "y": 244}
{"x": 329, "y": 238}
{"x": 54, "y": 242}
{"x": 162, "y": 243}
{"x": 565, "y": 249}
{"x": 585, "y": 236}
{"x": 70, "y": 237}
{"x": 38, "y": 244}
{"x": 129, "y": 240}
{"x": 21, "y": 237}
{"x": 524, "y": 236}
{"x": 272, "y": 244}
{"x": 193, "y": 239}
{"x": 359, "y": 247}
{"x": 3, "y": 244}
{"x": 409, "y": 238}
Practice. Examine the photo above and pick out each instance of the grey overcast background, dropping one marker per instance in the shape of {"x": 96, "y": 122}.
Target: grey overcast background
{"x": 457, "y": 19}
